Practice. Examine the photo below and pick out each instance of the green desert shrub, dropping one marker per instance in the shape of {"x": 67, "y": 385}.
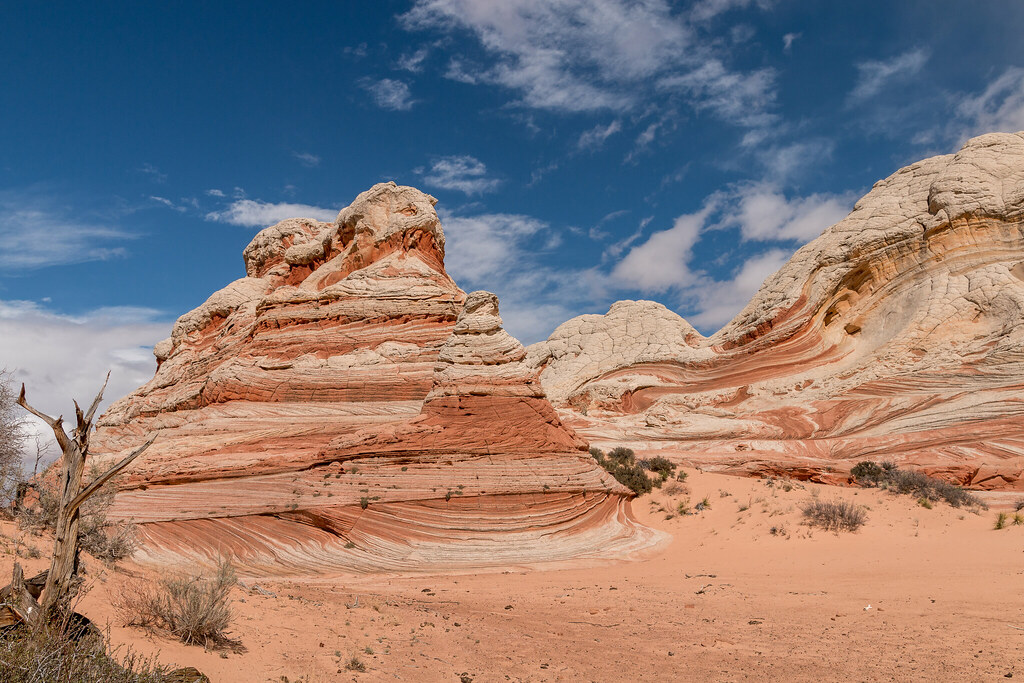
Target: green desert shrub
{"x": 663, "y": 467}
{"x": 913, "y": 483}
{"x": 836, "y": 515}
{"x": 621, "y": 463}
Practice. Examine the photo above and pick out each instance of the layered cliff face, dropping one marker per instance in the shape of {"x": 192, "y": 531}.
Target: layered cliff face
{"x": 896, "y": 335}
{"x": 346, "y": 406}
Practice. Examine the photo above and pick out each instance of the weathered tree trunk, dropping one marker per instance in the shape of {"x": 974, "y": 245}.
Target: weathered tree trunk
{"x": 75, "y": 449}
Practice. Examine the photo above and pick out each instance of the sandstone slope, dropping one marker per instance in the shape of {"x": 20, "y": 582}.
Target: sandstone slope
{"x": 340, "y": 409}
{"x": 896, "y": 335}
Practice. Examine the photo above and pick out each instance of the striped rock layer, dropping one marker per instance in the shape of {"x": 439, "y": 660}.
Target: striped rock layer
{"x": 346, "y": 407}
{"x": 898, "y": 335}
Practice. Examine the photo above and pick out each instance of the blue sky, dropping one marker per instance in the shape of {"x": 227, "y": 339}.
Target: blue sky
{"x": 581, "y": 152}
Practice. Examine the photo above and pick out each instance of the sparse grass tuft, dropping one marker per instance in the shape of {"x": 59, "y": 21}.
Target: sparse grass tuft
{"x": 1001, "y": 521}
{"x": 834, "y": 515}
{"x": 704, "y": 504}
{"x": 355, "y": 664}
{"x": 683, "y": 508}
{"x": 925, "y": 503}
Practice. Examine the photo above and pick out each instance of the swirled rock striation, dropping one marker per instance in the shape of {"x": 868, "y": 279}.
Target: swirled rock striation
{"x": 898, "y": 334}
{"x": 346, "y": 407}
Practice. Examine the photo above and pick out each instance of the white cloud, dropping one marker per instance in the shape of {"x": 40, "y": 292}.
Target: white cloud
{"x": 168, "y": 203}
{"x": 256, "y": 213}
{"x": 413, "y": 62}
{"x": 36, "y": 231}
{"x": 663, "y": 261}
{"x": 62, "y": 357}
{"x": 873, "y": 76}
{"x": 482, "y": 249}
{"x": 389, "y": 93}
{"x": 589, "y": 55}
{"x": 215, "y": 193}
{"x": 595, "y": 137}
{"x": 461, "y": 172}
{"x": 744, "y": 99}
{"x": 789, "y": 39}
{"x": 999, "y": 108}
{"x": 307, "y": 159}
{"x": 782, "y": 162}
{"x": 763, "y": 213}
{"x": 705, "y": 10}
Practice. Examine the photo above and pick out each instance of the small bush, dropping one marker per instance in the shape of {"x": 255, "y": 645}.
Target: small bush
{"x": 682, "y": 475}
{"x": 925, "y": 503}
{"x": 1001, "y": 521}
{"x": 913, "y": 483}
{"x": 834, "y": 515}
{"x": 621, "y": 464}
{"x": 355, "y": 664}
{"x": 867, "y": 472}
{"x": 705, "y": 504}
{"x": 1019, "y": 505}
{"x": 194, "y": 609}
{"x": 662, "y": 466}
{"x": 1018, "y": 519}
{"x": 683, "y": 508}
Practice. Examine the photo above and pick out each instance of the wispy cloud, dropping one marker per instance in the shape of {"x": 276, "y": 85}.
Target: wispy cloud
{"x": 874, "y": 75}
{"x": 999, "y": 107}
{"x": 389, "y": 93}
{"x": 744, "y": 99}
{"x": 153, "y": 172}
{"x": 583, "y": 56}
{"x": 463, "y": 173}
{"x": 256, "y": 213}
{"x": 215, "y": 193}
{"x": 413, "y": 61}
{"x": 788, "y": 40}
{"x": 37, "y": 231}
{"x": 307, "y": 159}
{"x": 595, "y": 137}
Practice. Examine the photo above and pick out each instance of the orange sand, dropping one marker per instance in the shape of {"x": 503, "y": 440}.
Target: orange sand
{"x": 726, "y": 600}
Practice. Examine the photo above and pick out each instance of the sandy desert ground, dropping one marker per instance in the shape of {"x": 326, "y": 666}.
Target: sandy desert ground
{"x": 742, "y": 591}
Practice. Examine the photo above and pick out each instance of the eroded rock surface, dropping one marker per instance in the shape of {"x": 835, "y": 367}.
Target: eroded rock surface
{"x": 341, "y": 409}
{"x": 896, "y": 335}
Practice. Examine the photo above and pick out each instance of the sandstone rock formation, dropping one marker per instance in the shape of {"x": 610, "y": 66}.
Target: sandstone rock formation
{"x": 897, "y": 335}
{"x": 346, "y": 406}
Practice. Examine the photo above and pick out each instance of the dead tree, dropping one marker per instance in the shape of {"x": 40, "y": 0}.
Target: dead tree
{"x": 64, "y": 563}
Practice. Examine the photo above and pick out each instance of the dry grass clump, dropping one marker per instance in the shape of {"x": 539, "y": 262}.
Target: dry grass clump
{"x": 836, "y": 515}
{"x": 195, "y": 609}
{"x": 888, "y": 476}
{"x": 57, "y": 654}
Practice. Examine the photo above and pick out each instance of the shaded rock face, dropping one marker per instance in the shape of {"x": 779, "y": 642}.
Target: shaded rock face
{"x": 346, "y": 406}
{"x": 896, "y": 335}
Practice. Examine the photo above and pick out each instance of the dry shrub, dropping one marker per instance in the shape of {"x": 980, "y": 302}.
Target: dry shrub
{"x": 834, "y": 515}
{"x": 195, "y": 609}
{"x": 97, "y": 535}
{"x": 55, "y": 654}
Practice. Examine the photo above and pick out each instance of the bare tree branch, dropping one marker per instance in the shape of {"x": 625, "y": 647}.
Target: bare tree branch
{"x": 103, "y": 478}
{"x": 56, "y": 425}
{"x": 96, "y": 401}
